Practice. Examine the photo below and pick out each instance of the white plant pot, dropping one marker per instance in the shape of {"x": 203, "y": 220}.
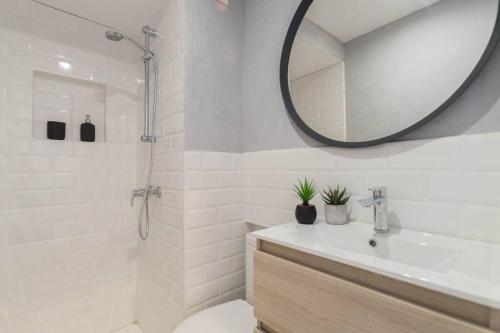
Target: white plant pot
{"x": 336, "y": 214}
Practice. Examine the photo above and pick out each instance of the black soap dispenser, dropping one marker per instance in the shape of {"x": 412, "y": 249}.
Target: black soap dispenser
{"x": 87, "y": 130}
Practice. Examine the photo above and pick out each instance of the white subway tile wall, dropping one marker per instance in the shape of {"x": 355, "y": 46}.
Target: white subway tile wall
{"x": 427, "y": 192}
{"x": 68, "y": 245}
{"x": 214, "y": 229}
{"x": 447, "y": 186}
{"x": 319, "y": 99}
{"x": 161, "y": 287}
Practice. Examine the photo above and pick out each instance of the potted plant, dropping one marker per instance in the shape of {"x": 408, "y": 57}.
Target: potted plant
{"x": 305, "y": 213}
{"x": 335, "y": 205}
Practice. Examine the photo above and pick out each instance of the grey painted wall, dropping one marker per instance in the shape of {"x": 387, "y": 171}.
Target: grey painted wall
{"x": 266, "y": 124}
{"x": 265, "y": 121}
{"x": 214, "y": 70}
{"x": 406, "y": 69}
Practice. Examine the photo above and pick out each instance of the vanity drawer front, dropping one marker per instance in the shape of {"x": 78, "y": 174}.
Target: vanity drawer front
{"x": 292, "y": 298}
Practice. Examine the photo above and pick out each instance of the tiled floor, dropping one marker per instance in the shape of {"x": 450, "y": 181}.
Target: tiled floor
{"x": 130, "y": 329}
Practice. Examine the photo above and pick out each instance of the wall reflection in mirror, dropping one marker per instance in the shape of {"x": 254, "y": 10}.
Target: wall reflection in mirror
{"x": 361, "y": 70}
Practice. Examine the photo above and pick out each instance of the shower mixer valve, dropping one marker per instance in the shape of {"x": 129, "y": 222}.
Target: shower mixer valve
{"x": 141, "y": 192}
{"x": 148, "y": 138}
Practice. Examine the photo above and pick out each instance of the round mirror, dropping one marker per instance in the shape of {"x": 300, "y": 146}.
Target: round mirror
{"x": 356, "y": 73}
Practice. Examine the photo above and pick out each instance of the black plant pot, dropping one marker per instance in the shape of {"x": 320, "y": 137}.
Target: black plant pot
{"x": 305, "y": 214}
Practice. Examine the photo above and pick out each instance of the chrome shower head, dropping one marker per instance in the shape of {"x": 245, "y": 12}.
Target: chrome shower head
{"x": 114, "y": 36}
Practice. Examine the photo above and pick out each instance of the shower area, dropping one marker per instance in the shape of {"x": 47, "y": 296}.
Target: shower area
{"x": 74, "y": 216}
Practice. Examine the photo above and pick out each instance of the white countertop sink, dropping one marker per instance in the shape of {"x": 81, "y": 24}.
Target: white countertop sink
{"x": 463, "y": 268}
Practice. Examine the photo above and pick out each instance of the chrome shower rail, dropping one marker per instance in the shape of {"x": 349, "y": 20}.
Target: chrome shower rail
{"x": 149, "y": 121}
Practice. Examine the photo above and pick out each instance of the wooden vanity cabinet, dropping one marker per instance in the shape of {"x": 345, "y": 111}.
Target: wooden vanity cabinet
{"x": 297, "y": 292}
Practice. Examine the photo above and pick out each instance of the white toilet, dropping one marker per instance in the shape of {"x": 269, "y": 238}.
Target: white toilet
{"x": 232, "y": 317}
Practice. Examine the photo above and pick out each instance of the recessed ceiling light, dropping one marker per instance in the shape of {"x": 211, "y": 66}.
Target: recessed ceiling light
{"x": 224, "y": 2}
{"x": 64, "y": 65}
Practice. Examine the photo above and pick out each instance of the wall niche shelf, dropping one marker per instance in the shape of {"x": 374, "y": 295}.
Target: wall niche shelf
{"x": 68, "y": 100}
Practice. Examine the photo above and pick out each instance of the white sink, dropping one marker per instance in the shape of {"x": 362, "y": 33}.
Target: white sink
{"x": 459, "y": 267}
{"x": 421, "y": 251}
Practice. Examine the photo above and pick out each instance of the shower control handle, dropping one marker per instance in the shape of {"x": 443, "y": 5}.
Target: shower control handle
{"x": 141, "y": 192}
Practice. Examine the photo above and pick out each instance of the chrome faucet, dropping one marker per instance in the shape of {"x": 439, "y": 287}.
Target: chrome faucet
{"x": 379, "y": 202}
{"x": 141, "y": 192}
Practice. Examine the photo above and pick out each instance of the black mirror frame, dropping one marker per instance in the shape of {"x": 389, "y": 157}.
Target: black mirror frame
{"x": 285, "y": 89}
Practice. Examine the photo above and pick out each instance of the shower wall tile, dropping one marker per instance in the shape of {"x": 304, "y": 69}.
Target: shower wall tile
{"x": 68, "y": 242}
{"x": 193, "y": 258}
{"x": 214, "y": 229}
{"x": 160, "y": 289}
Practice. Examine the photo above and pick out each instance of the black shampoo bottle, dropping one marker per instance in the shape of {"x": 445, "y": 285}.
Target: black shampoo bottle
{"x": 87, "y": 130}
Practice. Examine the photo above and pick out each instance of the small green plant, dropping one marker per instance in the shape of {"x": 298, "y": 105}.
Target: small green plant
{"x": 335, "y": 197}
{"x": 305, "y": 191}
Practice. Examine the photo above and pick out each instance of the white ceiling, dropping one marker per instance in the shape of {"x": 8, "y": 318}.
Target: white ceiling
{"x": 313, "y": 50}
{"x": 126, "y": 15}
{"x": 348, "y": 19}
{"x": 306, "y": 59}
